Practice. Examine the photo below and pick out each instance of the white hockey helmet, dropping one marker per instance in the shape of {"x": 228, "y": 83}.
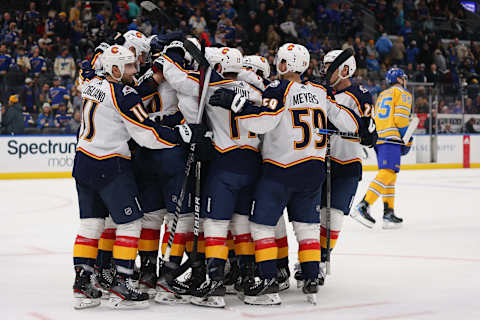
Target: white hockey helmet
{"x": 119, "y": 56}
{"x": 231, "y": 60}
{"x": 295, "y": 55}
{"x": 212, "y": 54}
{"x": 257, "y": 63}
{"x": 350, "y": 63}
{"x": 137, "y": 40}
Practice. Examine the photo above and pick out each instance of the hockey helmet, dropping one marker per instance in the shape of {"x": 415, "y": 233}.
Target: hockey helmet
{"x": 257, "y": 63}
{"x": 231, "y": 60}
{"x": 296, "y": 57}
{"x": 350, "y": 63}
{"x": 392, "y": 75}
{"x": 119, "y": 56}
{"x": 137, "y": 40}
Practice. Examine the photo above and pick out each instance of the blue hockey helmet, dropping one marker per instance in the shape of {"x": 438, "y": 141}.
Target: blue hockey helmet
{"x": 392, "y": 75}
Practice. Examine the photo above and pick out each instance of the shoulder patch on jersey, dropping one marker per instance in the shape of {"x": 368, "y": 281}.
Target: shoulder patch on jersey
{"x": 274, "y": 84}
{"x": 127, "y": 90}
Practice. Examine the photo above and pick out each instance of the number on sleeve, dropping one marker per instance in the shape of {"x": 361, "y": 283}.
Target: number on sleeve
{"x": 89, "y": 108}
{"x": 139, "y": 112}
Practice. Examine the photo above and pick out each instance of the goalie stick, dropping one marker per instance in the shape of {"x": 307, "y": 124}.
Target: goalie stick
{"x": 173, "y": 271}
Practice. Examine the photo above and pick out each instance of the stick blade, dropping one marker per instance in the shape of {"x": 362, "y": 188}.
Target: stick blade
{"x": 196, "y": 53}
{"x": 148, "y": 5}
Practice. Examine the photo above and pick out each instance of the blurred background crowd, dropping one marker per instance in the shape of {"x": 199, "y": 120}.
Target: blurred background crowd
{"x": 43, "y": 44}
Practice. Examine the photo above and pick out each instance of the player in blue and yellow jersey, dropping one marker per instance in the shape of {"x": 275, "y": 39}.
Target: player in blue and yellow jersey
{"x": 392, "y": 117}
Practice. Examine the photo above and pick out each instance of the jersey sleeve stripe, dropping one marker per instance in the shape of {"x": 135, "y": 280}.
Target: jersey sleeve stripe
{"x": 402, "y": 108}
{"x": 193, "y": 78}
{"x": 401, "y": 115}
{"x": 95, "y": 60}
{"x": 137, "y": 123}
{"x": 149, "y": 96}
{"x": 356, "y": 102}
{"x": 346, "y": 161}
{"x": 255, "y": 88}
{"x": 173, "y": 62}
{"x": 347, "y": 111}
{"x": 286, "y": 91}
{"x": 265, "y": 113}
{"x": 219, "y": 82}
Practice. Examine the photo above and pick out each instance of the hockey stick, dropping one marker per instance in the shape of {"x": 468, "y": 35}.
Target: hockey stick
{"x": 153, "y": 8}
{"x": 329, "y": 201}
{"x": 174, "y": 270}
{"x": 354, "y": 135}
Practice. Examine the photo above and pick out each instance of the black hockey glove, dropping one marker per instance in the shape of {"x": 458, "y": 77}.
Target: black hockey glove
{"x": 204, "y": 150}
{"x": 367, "y": 132}
{"x": 190, "y": 133}
{"x": 170, "y": 120}
{"x": 406, "y": 147}
{"x": 227, "y": 99}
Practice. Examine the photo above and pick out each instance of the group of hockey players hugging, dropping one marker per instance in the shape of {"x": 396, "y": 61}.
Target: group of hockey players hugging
{"x": 260, "y": 153}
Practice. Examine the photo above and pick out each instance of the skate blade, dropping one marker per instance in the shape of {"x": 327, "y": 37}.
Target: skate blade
{"x": 312, "y": 298}
{"x": 358, "y": 217}
{"x": 299, "y": 284}
{"x": 150, "y": 291}
{"x": 171, "y": 298}
{"x": 212, "y": 302}
{"x": 241, "y": 295}
{"x": 121, "y": 304}
{"x": 391, "y": 225}
{"x": 230, "y": 289}
{"x": 82, "y": 302}
{"x": 105, "y": 293}
{"x": 263, "y": 300}
{"x": 282, "y": 286}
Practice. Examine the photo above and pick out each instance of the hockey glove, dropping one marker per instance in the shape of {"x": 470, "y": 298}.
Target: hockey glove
{"x": 367, "y": 132}
{"x": 406, "y": 147}
{"x": 204, "y": 150}
{"x": 190, "y": 133}
{"x": 227, "y": 99}
{"x": 170, "y": 120}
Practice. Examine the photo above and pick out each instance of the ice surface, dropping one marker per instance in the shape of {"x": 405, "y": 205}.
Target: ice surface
{"x": 429, "y": 269}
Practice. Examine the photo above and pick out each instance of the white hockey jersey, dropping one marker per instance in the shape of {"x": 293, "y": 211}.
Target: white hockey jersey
{"x": 112, "y": 114}
{"x": 348, "y": 151}
{"x": 228, "y": 134}
{"x": 290, "y": 113}
{"x": 251, "y": 77}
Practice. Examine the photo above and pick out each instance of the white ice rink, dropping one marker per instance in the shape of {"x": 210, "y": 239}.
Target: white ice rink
{"x": 429, "y": 269}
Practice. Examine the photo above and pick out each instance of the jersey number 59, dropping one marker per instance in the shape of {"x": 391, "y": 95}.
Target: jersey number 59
{"x": 319, "y": 121}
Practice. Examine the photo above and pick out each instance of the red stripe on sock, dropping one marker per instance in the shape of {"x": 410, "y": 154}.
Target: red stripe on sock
{"x": 265, "y": 243}
{"x": 215, "y": 241}
{"x": 229, "y": 235}
{"x": 86, "y": 241}
{"x": 150, "y": 234}
{"x": 109, "y": 234}
{"x": 309, "y": 244}
{"x": 124, "y": 241}
{"x": 241, "y": 238}
{"x": 333, "y": 233}
{"x": 190, "y": 236}
{"x": 282, "y": 242}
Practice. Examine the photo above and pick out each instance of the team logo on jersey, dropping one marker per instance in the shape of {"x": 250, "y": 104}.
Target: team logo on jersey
{"x": 128, "y": 211}
{"x": 139, "y": 35}
{"x": 262, "y": 59}
{"x": 290, "y": 47}
{"x": 127, "y": 90}
{"x": 274, "y": 84}
{"x": 114, "y": 49}
{"x": 225, "y": 50}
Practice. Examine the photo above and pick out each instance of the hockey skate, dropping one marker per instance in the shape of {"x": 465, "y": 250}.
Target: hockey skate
{"x": 232, "y": 276}
{"x": 210, "y": 294}
{"x": 283, "y": 276}
{"x": 299, "y": 275}
{"x": 361, "y": 213}
{"x": 310, "y": 288}
{"x": 124, "y": 295}
{"x": 247, "y": 278}
{"x": 390, "y": 220}
{"x": 263, "y": 292}
{"x": 148, "y": 276}
{"x": 85, "y": 293}
{"x": 104, "y": 279}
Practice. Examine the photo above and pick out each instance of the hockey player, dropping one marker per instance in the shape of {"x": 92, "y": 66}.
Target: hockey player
{"x": 256, "y": 71}
{"x": 112, "y": 114}
{"x": 293, "y": 166}
{"x": 345, "y": 154}
{"x": 392, "y": 117}
{"x": 228, "y": 189}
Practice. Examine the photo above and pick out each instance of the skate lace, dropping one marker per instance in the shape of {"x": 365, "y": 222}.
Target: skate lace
{"x": 107, "y": 274}
{"x": 131, "y": 287}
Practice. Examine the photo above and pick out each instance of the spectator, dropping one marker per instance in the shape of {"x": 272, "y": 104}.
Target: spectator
{"x": 27, "y": 97}
{"x": 197, "y": 21}
{"x": 15, "y": 79}
{"x": 447, "y": 129}
{"x": 373, "y": 67}
{"x": 371, "y": 48}
{"x": 274, "y": 40}
{"x": 469, "y": 107}
{"x": 420, "y": 74}
{"x": 5, "y": 64}
{"x": 37, "y": 62}
{"x": 133, "y": 9}
{"x": 42, "y": 95}
{"x": 75, "y": 11}
{"x": 57, "y": 94}
{"x": 64, "y": 67}
{"x": 62, "y": 28}
{"x": 74, "y": 124}
{"x": 46, "y": 119}
{"x": 383, "y": 46}
{"x": 412, "y": 52}
{"x": 457, "y": 107}
{"x": 62, "y": 118}
{"x": 433, "y": 122}
{"x": 22, "y": 60}
{"x": 469, "y": 126}
{"x": 12, "y": 117}
{"x": 76, "y": 96}
{"x": 87, "y": 12}
{"x": 398, "y": 51}
{"x": 440, "y": 61}
{"x": 473, "y": 89}
{"x": 229, "y": 12}
{"x": 433, "y": 75}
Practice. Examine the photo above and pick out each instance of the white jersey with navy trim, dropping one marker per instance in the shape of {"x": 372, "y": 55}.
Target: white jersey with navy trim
{"x": 251, "y": 77}
{"x": 290, "y": 113}
{"x": 357, "y": 99}
{"x": 112, "y": 114}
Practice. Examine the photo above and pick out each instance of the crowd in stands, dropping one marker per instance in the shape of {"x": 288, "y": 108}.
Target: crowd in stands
{"x": 43, "y": 45}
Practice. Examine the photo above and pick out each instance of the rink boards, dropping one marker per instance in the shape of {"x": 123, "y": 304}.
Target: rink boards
{"x": 43, "y": 156}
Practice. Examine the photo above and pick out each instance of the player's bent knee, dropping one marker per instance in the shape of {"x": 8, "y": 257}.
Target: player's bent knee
{"x": 280, "y": 228}
{"x": 336, "y": 218}
{"x": 130, "y": 229}
{"x": 91, "y": 228}
{"x": 260, "y": 231}
{"x": 154, "y": 219}
{"x": 216, "y": 228}
{"x": 240, "y": 224}
{"x": 306, "y": 230}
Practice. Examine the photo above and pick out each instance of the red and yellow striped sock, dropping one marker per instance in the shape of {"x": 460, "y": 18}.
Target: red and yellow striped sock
{"x": 266, "y": 252}
{"x": 105, "y": 248}
{"x": 124, "y": 253}
{"x": 309, "y": 257}
{"x": 85, "y": 251}
{"x": 149, "y": 242}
